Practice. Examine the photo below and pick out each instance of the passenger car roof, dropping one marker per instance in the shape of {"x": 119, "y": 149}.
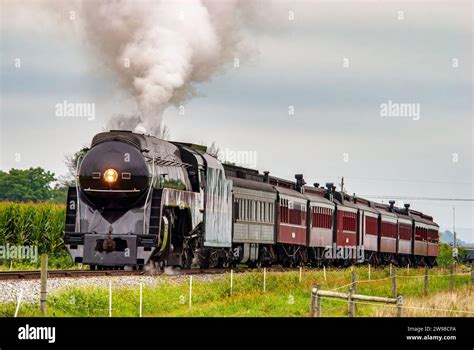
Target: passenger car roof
{"x": 252, "y": 185}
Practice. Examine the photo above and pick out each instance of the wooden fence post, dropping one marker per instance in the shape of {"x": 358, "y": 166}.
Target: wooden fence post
{"x": 472, "y": 276}
{"x": 353, "y": 280}
{"x": 394, "y": 281}
{"x": 44, "y": 282}
{"x": 353, "y": 286}
{"x": 399, "y": 305}
{"x": 426, "y": 281}
{"x": 314, "y": 292}
{"x": 318, "y": 304}
{"x": 350, "y": 303}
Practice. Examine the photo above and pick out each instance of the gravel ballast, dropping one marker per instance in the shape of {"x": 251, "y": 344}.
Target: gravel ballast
{"x": 10, "y": 289}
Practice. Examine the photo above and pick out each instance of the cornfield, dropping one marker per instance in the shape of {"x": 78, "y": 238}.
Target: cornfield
{"x": 28, "y": 224}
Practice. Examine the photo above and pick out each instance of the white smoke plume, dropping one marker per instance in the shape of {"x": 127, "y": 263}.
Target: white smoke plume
{"x": 160, "y": 49}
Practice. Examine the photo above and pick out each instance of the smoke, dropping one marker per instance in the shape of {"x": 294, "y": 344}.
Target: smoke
{"x": 160, "y": 49}
{"x": 135, "y": 123}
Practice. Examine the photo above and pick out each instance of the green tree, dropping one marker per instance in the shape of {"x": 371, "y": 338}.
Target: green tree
{"x": 445, "y": 257}
{"x": 59, "y": 194}
{"x": 28, "y": 185}
{"x": 71, "y": 162}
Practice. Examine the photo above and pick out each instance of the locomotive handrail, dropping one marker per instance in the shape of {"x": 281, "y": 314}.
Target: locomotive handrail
{"x": 77, "y": 191}
{"x": 95, "y": 190}
{"x": 148, "y": 194}
{"x": 165, "y": 237}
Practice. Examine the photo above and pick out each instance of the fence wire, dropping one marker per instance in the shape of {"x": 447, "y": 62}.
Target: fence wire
{"x": 397, "y": 277}
{"x": 401, "y": 306}
{"x": 91, "y": 309}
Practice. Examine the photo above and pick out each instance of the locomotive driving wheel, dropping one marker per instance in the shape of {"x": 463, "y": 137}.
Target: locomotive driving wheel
{"x": 187, "y": 255}
{"x": 208, "y": 258}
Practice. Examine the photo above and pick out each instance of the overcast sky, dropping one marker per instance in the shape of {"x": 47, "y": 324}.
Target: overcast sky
{"x": 337, "y": 128}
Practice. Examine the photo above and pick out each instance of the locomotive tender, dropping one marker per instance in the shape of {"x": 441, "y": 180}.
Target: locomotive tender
{"x": 142, "y": 201}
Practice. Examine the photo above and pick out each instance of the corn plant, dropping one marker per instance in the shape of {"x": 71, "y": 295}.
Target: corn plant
{"x": 39, "y": 225}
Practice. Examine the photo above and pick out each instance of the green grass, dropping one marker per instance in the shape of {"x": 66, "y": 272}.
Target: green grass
{"x": 285, "y": 296}
{"x": 59, "y": 262}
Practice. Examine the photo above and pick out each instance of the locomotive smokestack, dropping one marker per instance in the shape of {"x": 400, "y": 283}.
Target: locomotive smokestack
{"x": 299, "y": 182}
{"x": 266, "y": 177}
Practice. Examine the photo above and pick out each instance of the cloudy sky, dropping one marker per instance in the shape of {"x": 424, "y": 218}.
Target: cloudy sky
{"x": 335, "y": 64}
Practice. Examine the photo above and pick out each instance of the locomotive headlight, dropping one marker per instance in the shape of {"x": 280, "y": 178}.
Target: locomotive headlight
{"x": 110, "y": 176}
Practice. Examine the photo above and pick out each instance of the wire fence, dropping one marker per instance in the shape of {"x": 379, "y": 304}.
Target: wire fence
{"x": 106, "y": 307}
{"x": 404, "y": 306}
{"x": 332, "y": 293}
{"x": 398, "y": 277}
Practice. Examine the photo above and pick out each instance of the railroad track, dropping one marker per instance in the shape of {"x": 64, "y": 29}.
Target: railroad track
{"x": 36, "y": 274}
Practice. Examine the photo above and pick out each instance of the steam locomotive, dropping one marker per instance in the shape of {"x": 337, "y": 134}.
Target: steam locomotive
{"x": 140, "y": 201}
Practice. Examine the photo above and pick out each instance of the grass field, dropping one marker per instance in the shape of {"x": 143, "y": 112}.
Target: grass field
{"x": 285, "y": 295}
{"x": 61, "y": 261}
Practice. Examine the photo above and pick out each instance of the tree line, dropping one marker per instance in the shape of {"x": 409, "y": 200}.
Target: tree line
{"x": 31, "y": 185}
